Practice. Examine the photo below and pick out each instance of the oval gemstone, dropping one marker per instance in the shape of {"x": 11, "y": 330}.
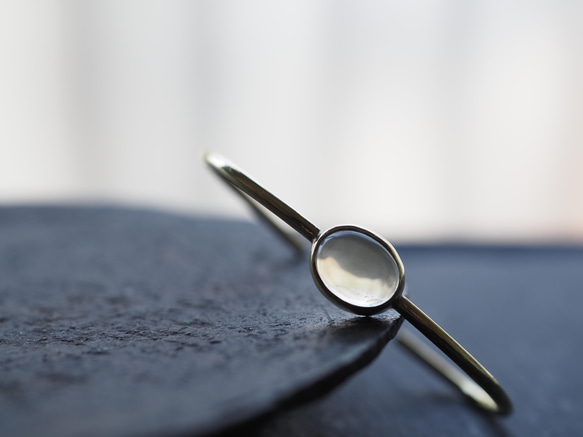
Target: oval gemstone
{"x": 356, "y": 268}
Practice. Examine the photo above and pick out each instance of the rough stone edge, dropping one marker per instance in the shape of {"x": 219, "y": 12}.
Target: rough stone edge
{"x": 309, "y": 393}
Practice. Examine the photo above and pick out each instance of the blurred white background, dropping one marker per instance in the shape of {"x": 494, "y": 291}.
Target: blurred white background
{"x": 425, "y": 120}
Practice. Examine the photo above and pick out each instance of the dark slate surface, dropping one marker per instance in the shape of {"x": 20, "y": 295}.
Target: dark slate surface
{"x": 518, "y": 310}
{"x": 118, "y": 322}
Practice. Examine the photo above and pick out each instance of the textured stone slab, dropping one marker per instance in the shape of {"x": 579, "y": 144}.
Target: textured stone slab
{"x": 118, "y": 322}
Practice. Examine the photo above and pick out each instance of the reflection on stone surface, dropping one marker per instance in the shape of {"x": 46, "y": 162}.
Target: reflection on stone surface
{"x": 357, "y": 269}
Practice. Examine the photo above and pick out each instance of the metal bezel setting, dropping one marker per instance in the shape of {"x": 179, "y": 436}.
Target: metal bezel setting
{"x": 331, "y": 296}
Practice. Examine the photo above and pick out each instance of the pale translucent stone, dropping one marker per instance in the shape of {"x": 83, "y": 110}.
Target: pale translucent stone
{"x": 357, "y": 269}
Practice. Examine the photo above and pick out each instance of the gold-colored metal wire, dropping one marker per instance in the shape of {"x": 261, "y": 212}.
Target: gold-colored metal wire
{"x": 481, "y": 387}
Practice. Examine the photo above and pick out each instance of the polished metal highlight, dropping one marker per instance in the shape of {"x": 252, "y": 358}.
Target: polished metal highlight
{"x": 482, "y": 388}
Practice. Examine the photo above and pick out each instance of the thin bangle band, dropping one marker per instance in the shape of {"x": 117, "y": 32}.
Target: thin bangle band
{"x": 482, "y": 388}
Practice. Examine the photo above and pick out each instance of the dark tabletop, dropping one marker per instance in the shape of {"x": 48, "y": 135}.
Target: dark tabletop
{"x": 119, "y": 322}
{"x": 516, "y": 309}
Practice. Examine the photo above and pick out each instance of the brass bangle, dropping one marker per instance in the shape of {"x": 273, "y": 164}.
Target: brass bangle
{"x": 362, "y": 273}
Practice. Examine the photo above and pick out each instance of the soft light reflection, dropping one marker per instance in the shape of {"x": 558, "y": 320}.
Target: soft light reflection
{"x": 357, "y": 269}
